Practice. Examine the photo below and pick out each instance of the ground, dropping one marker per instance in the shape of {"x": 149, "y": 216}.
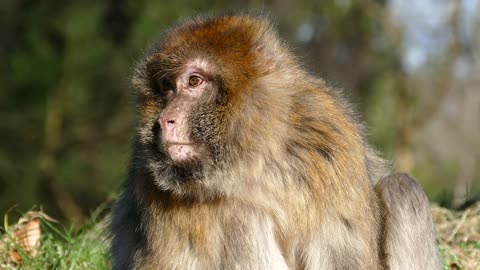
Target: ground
{"x": 458, "y": 234}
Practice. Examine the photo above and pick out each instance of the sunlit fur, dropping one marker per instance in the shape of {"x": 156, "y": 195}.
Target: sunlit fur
{"x": 409, "y": 238}
{"x": 289, "y": 179}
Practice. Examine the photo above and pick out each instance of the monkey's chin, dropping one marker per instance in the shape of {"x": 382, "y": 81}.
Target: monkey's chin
{"x": 185, "y": 153}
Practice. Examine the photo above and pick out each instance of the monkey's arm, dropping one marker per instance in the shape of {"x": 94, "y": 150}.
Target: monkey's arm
{"x": 125, "y": 237}
{"x": 250, "y": 243}
{"x": 409, "y": 240}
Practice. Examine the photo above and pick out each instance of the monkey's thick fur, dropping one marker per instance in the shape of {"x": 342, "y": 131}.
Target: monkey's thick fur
{"x": 289, "y": 181}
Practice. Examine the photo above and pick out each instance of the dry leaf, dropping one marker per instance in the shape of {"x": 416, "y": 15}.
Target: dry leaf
{"x": 27, "y": 237}
{"x": 23, "y": 238}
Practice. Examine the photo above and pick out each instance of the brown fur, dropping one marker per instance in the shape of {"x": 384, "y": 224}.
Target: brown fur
{"x": 410, "y": 235}
{"x": 288, "y": 182}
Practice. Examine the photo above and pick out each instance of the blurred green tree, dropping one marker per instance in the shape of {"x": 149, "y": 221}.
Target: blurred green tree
{"x": 67, "y": 104}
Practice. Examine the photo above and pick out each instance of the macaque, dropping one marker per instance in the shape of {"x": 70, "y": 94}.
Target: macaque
{"x": 244, "y": 160}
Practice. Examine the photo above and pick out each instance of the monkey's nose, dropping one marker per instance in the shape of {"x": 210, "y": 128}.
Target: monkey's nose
{"x": 170, "y": 123}
{"x": 167, "y": 123}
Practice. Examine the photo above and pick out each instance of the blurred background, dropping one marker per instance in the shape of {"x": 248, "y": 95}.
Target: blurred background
{"x": 67, "y": 114}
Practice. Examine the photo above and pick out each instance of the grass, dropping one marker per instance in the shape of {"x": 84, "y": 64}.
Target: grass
{"x": 458, "y": 236}
{"x": 66, "y": 248}
{"x": 61, "y": 248}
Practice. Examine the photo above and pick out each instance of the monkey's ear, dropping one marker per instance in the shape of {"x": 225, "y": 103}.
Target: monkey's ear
{"x": 265, "y": 57}
{"x": 269, "y": 50}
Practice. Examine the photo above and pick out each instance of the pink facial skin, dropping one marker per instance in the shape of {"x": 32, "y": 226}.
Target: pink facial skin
{"x": 191, "y": 82}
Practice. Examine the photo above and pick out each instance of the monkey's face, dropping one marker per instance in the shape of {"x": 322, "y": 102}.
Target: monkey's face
{"x": 194, "y": 91}
{"x": 181, "y": 111}
{"x": 182, "y": 92}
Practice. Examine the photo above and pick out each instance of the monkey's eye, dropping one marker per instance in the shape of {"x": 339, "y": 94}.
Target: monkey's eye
{"x": 194, "y": 81}
{"x": 166, "y": 87}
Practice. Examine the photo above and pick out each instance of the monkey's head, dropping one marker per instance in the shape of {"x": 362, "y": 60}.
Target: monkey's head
{"x": 195, "y": 90}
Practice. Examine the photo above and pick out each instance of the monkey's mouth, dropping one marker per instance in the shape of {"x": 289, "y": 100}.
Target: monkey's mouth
{"x": 182, "y": 152}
